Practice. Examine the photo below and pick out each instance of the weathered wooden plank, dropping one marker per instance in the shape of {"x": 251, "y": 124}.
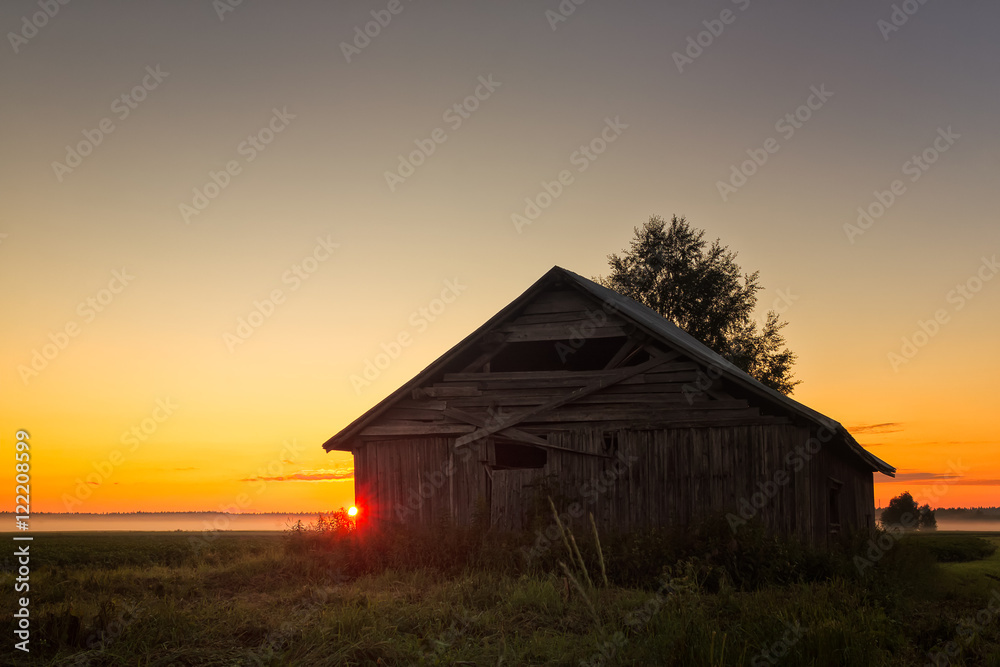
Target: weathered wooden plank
{"x": 557, "y": 302}
{"x": 641, "y": 388}
{"x": 539, "y": 383}
{"x": 445, "y": 391}
{"x": 584, "y": 376}
{"x": 624, "y": 352}
{"x": 655, "y": 398}
{"x": 413, "y": 414}
{"x": 511, "y": 399}
{"x": 650, "y": 388}
{"x": 421, "y": 404}
{"x": 567, "y": 328}
{"x": 653, "y": 424}
{"x": 596, "y": 385}
{"x": 682, "y": 376}
{"x": 587, "y": 315}
{"x": 486, "y": 382}
{"x": 536, "y": 333}
{"x": 484, "y": 420}
{"x": 637, "y": 403}
{"x": 521, "y": 375}
{"x": 508, "y": 400}
{"x": 400, "y": 427}
{"x": 647, "y": 403}
{"x": 595, "y": 413}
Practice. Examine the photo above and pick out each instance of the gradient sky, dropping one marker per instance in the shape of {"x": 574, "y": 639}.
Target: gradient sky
{"x": 244, "y": 422}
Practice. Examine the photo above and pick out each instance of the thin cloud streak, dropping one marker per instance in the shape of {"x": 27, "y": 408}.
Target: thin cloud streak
{"x": 306, "y": 476}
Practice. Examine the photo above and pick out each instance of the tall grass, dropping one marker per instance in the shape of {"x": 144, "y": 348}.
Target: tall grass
{"x": 336, "y": 593}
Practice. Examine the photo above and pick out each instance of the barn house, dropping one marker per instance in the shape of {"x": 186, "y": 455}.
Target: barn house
{"x": 575, "y": 392}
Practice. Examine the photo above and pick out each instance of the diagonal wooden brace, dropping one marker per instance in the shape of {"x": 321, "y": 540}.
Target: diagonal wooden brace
{"x": 586, "y": 390}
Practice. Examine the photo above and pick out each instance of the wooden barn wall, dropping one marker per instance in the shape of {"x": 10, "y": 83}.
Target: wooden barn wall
{"x": 833, "y": 467}
{"x": 663, "y": 477}
{"x": 648, "y": 478}
{"x": 676, "y": 477}
{"x": 419, "y": 480}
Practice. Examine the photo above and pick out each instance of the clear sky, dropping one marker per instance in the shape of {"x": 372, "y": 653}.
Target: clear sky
{"x": 169, "y": 170}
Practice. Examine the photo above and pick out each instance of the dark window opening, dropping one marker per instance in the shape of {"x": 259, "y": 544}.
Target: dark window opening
{"x": 511, "y": 456}
{"x": 579, "y": 354}
{"x": 610, "y": 442}
{"x": 834, "y": 505}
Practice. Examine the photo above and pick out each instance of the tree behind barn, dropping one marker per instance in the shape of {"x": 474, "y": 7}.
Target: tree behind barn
{"x": 700, "y": 288}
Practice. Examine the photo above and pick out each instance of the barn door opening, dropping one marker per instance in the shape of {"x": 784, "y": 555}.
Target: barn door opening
{"x": 514, "y": 469}
{"x": 833, "y": 505}
{"x": 514, "y": 456}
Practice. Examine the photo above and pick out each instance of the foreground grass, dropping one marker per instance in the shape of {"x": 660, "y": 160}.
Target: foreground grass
{"x": 249, "y": 599}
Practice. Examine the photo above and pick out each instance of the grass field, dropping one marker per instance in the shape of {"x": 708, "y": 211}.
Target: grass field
{"x": 273, "y": 599}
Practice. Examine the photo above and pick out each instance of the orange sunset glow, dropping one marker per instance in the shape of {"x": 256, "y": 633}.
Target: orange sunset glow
{"x": 225, "y": 237}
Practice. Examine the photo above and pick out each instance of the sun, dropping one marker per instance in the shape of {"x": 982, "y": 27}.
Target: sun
{"x": 352, "y": 511}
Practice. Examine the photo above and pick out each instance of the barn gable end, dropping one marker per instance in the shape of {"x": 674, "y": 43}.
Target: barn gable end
{"x": 574, "y": 391}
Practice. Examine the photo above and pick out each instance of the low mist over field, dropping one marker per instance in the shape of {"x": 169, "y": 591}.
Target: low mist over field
{"x": 167, "y": 521}
{"x": 957, "y": 519}
{"x": 975, "y": 526}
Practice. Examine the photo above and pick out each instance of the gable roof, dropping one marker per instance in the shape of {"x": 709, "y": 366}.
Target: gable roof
{"x": 644, "y": 318}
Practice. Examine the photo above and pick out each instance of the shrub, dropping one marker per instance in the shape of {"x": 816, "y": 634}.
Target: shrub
{"x": 955, "y": 548}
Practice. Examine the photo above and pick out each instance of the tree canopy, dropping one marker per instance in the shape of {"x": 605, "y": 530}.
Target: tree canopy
{"x": 903, "y": 511}
{"x": 700, "y": 288}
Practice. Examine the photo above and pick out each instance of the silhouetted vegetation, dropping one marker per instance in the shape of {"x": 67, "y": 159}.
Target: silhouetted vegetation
{"x": 957, "y": 548}
{"x": 904, "y": 513}
{"x": 335, "y": 592}
{"x": 700, "y": 288}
